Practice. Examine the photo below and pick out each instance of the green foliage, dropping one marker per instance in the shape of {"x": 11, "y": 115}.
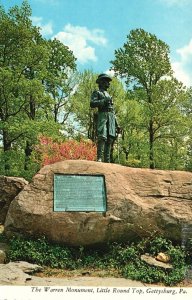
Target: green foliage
{"x": 124, "y": 258}
{"x": 33, "y": 88}
{"x": 59, "y": 81}
{"x": 3, "y": 238}
{"x": 139, "y": 270}
{"x": 159, "y": 244}
{"x": 189, "y": 246}
{"x": 177, "y": 256}
{"x": 150, "y": 274}
{"x": 41, "y": 252}
{"x": 142, "y": 272}
{"x": 41, "y": 93}
{"x": 143, "y": 61}
{"x": 123, "y": 254}
{"x": 83, "y": 114}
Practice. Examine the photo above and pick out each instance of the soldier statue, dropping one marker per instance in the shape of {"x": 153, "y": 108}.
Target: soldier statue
{"x": 107, "y": 127}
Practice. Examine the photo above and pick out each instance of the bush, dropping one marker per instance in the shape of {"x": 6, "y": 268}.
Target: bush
{"x": 124, "y": 258}
{"x": 3, "y": 238}
{"x": 40, "y": 252}
{"x": 48, "y": 151}
{"x": 143, "y": 272}
{"x": 159, "y": 244}
{"x": 188, "y": 249}
{"x": 139, "y": 270}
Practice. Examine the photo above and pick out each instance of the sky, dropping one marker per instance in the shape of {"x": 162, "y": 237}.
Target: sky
{"x": 94, "y": 29}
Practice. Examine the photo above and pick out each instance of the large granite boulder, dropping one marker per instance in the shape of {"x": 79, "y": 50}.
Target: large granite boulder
{"x": 9, "y": 188}
{"x": 140, "y": 202}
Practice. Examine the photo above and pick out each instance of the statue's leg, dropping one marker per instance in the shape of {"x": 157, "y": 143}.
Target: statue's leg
{"x": 100, "y": 149}
{"x": 107, "y": 151}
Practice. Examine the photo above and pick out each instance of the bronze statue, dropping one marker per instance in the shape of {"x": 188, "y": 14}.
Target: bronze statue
{"x": 107, "y": 127}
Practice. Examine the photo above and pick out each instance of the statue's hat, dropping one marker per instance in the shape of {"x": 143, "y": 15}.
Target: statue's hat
{"x": 103, "y": 76}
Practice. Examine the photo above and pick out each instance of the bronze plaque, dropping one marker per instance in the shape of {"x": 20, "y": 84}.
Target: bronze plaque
{"x": 79, "y": 193}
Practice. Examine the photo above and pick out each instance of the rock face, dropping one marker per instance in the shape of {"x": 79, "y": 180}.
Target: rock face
{"x": 17, "y": 273}
{"x": 20, "y": 273}
{"x": 153, "y": 262}
{"x": 3, "y": 252}
{"x": 139, "y": 203}
{"x": 2, "y": 257}
{"x": 9, "y": 188}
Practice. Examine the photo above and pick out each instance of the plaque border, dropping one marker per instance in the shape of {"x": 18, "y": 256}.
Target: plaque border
{"x": 80, "y": 211}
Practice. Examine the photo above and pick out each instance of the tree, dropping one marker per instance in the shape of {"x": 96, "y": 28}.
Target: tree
{"x": 169, "y": 123}
{"x": 58, "y": 81}
{"x": 133, "y": 146}
{"x": 143, "y": 61}
{"x": 18, "y": 52}
{"x": 186, "y": 108}
{"x": 170, "y": 129}
{"x": 50, "y": 102}
{"x": 24, "y": 58}
{"x": 83, "y": 115}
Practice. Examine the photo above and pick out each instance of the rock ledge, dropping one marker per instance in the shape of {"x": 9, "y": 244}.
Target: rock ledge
{"x": 139, "y": 203}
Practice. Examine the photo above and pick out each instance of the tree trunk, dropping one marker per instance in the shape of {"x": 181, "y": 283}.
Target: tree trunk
{"x": 126, "y": 151}
{"x": 28, "y": 147}
{"x": 92, "y": 129}
{"x": 28, "y": 152}
{"x": 55, "y": 113}
{"x": 6, "y": 148}
{"x": 151, "y": 144}
{"x": 32, "y": 108}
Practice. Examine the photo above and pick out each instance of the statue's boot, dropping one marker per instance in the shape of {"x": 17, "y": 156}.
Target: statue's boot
{"x": 100, "y": 149}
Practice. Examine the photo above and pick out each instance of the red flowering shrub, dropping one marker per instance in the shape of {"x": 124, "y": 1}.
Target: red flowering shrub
{"x": 48, "y": 151}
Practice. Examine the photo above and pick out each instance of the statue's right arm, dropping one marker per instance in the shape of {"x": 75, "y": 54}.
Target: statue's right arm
{"x": 97, "y": 100}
